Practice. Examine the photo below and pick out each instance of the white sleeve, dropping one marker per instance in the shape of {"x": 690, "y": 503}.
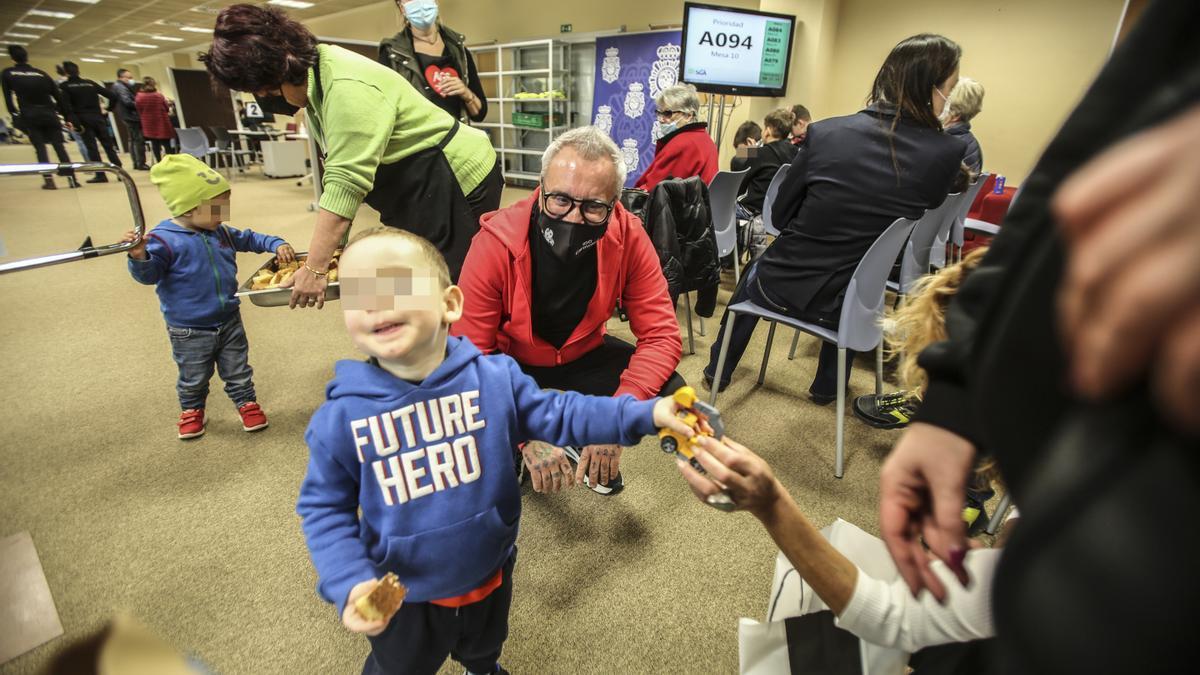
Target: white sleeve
{"x": 887, "y": 614}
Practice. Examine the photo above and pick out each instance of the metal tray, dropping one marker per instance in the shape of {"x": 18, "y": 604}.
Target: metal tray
{"x": 277, "y": 297}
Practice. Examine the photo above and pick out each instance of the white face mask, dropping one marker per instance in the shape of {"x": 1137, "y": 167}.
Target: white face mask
{"x": 945, "y": 116}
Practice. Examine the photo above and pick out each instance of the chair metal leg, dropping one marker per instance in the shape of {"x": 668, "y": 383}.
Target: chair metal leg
{"x": 841, "y": 411}
{"x": 795, "y": 341}
{"x": 687, "y": 299}
{"x": 716, "y": 384}
{"x": 879, "y": 368}
{"x": 702, "y": 333}
{"x": 762, "y": 371}
{"x": 998, "y": 517}
{"x": 737, "y": 274}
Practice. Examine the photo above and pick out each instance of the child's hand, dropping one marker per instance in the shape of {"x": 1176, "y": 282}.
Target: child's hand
{"x": 285, "y": 254}
{"x": 137, "y": 252}
{"x": 665, "y": 416}
{"x": 355, "y": 621}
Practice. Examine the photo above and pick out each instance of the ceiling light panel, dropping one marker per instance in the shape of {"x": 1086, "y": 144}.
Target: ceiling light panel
{"x": 49, "y": 14}
{"x": 292, "y": 4}
{"x": 32, "y": 26}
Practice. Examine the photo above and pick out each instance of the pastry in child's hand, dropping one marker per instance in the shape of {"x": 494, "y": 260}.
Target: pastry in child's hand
{"x": 383, "y": 600}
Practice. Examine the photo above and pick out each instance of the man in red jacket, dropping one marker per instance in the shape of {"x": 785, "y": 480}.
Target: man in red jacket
{"x": 542, "y": 278}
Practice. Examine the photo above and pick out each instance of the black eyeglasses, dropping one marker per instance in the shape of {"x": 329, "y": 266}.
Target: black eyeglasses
{"x": 666, "y": 113}
{"x": 593, "y": 211}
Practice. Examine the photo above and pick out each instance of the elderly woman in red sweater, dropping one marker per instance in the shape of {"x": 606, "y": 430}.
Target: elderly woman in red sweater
{"x": 154, "y": 112}
{"x": 685, "y": 149}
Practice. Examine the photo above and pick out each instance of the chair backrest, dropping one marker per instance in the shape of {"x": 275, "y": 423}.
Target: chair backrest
{"x": 193, "y": 142}
{"x": 769, "y": 199}
{"x": 955, "y": 236}
{"x": 917, "y": 250}
{"x": 722, "y": 196}
{"x": 860, "y": 328}
{"x": 220, "y": 135}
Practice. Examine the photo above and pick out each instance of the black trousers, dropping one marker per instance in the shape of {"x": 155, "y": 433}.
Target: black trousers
{"x": 162, "y": 146}
{"x": 421, "y": 635}
{"x": 43, "y": 127}
{"x": 137, "y": 143}
{"x": 824, "y": 382}
{"x": 95, "y": 127}
{"x": 597, "y": 373}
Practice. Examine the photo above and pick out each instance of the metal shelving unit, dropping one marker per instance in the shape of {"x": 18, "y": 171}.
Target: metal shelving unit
{"x": 515, "y": 67}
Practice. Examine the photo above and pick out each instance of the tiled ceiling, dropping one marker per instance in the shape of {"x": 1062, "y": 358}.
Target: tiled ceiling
{"x": 138, "y": 26}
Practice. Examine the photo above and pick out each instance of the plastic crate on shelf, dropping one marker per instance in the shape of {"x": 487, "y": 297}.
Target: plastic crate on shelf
{"x": 533, "y": 120}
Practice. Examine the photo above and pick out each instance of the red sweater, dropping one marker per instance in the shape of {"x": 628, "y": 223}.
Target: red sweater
{"x": 687, "y": 152}
{"x": 153, "y": 109}
{"x": 497, "y": 282}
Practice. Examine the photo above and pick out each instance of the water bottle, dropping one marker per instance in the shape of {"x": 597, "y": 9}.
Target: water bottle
{"x": 999, "y": 187}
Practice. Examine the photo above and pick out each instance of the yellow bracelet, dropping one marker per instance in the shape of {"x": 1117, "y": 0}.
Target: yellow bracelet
{"x": 320, "y": 274}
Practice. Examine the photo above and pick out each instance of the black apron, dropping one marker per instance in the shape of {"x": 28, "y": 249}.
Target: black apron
{"x": 421, "y": 194}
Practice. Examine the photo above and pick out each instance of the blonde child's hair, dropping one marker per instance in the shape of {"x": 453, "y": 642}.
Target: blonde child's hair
{"x": 428, "y": 250}
{"x": 921, "y": 319}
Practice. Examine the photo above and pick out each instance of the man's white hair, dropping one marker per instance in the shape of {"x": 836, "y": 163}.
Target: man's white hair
{"x": 681, "y": 97}
{"x": 591, "y": 144}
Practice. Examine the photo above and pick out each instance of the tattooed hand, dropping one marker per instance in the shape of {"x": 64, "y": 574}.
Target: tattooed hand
{"x": 548, "y": 467}
{"x": 599, "y": 463}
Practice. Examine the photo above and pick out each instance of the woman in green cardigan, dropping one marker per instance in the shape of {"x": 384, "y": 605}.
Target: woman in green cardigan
{"x": 384, "y": 142}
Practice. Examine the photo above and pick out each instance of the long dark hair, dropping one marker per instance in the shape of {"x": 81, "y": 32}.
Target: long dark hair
{"x": 256, "y": 48}
{"x": 911, "y": 71}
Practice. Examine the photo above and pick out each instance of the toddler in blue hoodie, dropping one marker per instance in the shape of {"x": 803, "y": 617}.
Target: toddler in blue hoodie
{"x": 191, "y": 260}
{"x": 421, "y": 437}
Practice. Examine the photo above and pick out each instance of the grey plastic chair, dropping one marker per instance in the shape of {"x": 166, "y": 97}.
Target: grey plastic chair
{"x": 194, "y": 142}
{"x": 918, "y": 248}
{"x": 722, "y": 197}
{"x": 769, "y": 200}
{"x": 859, "y": 329}
{"x": 952, "y": 233}
{"x": 228, "y": 151}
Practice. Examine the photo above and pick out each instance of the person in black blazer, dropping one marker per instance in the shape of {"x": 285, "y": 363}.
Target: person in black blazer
{"x": 765, "y": 160}
{"x": 851, "y": 178}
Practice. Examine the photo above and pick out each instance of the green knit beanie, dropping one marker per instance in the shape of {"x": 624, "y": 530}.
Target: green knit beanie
{"x": 184, "y": 182}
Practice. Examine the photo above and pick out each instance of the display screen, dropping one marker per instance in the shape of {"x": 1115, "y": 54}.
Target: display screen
{"x": 736, "y": 51}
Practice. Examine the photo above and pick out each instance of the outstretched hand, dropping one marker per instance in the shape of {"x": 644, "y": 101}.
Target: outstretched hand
{"x": 734, "y": 469}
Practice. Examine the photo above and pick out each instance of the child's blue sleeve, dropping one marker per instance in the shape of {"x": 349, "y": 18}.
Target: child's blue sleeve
{"x": 249, "y": 241}
{"x": 328, "y": 508}
{"x": 151, "y": 270}
{"x": 571, "y": 418}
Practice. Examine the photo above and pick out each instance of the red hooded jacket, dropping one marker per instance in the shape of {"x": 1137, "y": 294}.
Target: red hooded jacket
{"x": 683, "y": 154}
{"x": 497, "y": 282}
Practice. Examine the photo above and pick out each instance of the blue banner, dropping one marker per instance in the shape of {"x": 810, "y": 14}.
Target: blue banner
{"x": 630, "y": 71}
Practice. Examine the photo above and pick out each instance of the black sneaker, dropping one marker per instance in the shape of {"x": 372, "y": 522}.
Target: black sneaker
{"x": 974, "y": 515}
{"x": 886, "y": 411}
{"x": 707, "y": 384}
{"x": 613, "y": 486}
{"x": 98, "y": 178}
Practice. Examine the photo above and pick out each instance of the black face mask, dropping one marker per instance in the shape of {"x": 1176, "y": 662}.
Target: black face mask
{"x": 276, "y": 104}
{"x": 568, "y": 241}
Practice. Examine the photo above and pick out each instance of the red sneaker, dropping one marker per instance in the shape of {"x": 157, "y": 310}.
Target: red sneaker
{"x": 191, "y": 423}
{"x": 253, "y": 418}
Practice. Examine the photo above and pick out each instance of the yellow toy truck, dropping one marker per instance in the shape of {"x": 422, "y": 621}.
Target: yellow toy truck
{"x": 705, "y": 420}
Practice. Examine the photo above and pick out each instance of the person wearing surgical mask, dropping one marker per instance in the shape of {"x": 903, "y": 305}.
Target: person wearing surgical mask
{"x": 684, "y": 148}
{"x": 435, "y": 60}
{"x": 541, "y": 280}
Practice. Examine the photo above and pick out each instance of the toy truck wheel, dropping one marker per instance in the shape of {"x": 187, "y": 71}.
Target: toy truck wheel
{"x": 696, "y": 465}
{"x": 669, "y": 445}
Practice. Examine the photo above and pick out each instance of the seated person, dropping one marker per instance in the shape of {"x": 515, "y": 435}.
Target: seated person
{"x": 844, "y": 188}
{"x": 747, "y": 136}
{"x": 966, "y": 101}
{"x": 765, "y": 161}
{"x": 803, "y": 118}
{"x": 544, "y": 275}
{"x": 685, "y": 149}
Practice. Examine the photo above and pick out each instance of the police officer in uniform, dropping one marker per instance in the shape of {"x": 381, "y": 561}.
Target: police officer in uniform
{"x": 82, "y": 99}
{"x": 36, "y": 111}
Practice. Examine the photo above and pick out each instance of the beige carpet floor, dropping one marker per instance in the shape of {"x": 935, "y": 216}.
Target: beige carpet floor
{"x": 200, "y": 541}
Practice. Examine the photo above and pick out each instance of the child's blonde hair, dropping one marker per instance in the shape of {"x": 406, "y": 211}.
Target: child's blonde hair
{"x": 921, "y": 319}
{"x": 428, "y": 250}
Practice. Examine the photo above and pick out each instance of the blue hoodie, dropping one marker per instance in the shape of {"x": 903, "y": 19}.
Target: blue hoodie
{"x": 431, "y": 465}
{"x": 196, "y": 271}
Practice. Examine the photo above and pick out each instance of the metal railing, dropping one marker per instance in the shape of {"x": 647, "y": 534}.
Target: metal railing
{"x": 69, "y": 170}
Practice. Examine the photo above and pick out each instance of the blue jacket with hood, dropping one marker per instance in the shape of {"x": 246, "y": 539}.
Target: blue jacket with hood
{"x": 431, "y": 465}
{"x": 196, "y": 271}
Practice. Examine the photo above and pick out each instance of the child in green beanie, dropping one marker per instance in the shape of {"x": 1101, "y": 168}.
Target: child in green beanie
{"x": 191, "y": 260}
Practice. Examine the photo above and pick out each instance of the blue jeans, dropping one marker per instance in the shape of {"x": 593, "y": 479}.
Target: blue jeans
{"x": 197, "y": 350}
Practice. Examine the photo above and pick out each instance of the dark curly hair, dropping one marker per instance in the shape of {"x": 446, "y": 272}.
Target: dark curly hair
{"x": 256, "y": 48}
